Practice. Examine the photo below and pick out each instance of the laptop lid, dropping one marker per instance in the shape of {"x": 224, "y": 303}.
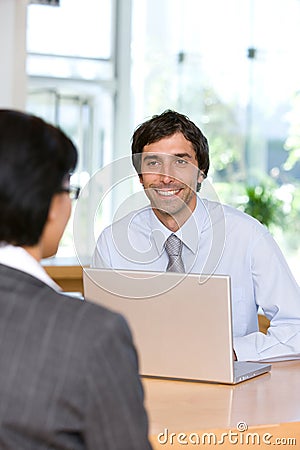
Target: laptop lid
{"x": 181, "y": 323}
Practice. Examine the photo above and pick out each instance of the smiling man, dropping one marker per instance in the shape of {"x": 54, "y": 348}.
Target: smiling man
{"x": 170, "y": 174}
{"x": 181, "y": 232}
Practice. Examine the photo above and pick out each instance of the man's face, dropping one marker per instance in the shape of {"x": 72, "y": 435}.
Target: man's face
{"x": 169, "y": 174}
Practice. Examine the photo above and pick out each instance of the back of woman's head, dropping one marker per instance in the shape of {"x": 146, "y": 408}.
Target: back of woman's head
{"x": 35, "y": 158}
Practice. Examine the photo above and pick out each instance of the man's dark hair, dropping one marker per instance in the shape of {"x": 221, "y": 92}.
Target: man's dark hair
{"x": 165, "y": 125}
{"x": 35, "y": 158}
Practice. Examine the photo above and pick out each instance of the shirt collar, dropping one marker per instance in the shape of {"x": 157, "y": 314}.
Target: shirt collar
{"x": 189, "y": 233}
{"x": 20, "y": 259}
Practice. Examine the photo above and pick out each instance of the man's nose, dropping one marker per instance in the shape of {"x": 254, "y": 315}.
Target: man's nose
{"x": 167, "y": 174}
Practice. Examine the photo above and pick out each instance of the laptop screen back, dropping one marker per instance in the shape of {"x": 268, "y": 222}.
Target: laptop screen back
{"x": 181, "y": 324}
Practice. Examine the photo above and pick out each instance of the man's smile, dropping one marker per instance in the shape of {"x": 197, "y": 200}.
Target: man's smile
{"x": 167, "y": 192}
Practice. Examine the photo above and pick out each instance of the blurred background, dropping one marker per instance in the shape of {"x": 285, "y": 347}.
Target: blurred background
{"x": 98, "y": 68}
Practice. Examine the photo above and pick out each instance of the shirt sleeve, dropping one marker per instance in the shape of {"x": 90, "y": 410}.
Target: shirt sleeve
{"x": 115, "y": 418}
{"x": 278, "y": 295}
{"x": 101, "y": 255}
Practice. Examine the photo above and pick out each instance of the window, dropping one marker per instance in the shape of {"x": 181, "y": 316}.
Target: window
{"x": 71, "y": 70}
{"x": 238, "y": 79}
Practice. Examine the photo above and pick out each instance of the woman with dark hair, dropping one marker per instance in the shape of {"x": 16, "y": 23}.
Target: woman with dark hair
{"x": 68, "y": 368}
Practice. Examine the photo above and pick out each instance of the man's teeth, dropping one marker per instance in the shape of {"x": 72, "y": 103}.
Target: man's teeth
{"x": 167, "y": 193}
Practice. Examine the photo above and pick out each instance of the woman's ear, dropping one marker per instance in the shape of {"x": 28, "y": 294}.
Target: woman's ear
{"x": 53, "y": 209}
{"x": 57, "y": 219}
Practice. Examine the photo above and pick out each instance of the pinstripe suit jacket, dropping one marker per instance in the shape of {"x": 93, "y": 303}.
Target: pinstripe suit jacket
{"x": 68, "y": 372}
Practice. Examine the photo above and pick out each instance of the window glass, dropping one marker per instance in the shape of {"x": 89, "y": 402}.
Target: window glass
{"x": 73, "y": 40}
{"x": 75, "y": 28}
{"x": 231, "y": 67}
{"x": 70, "y": 81}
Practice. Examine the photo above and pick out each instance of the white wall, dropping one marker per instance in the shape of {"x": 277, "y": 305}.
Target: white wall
{"x": 13, "y": 53}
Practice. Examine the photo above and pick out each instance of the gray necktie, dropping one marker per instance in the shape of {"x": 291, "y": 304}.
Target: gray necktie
{"x": 174, "y": 249}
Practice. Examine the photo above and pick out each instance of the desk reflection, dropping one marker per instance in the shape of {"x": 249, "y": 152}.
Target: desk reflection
{"x": 180, "y": 406}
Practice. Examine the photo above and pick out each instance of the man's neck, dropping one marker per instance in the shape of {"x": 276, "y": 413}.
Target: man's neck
{"x": 174, "y": 222}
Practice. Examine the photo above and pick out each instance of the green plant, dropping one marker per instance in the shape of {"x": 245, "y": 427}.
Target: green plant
{"x": 263, "y": 204}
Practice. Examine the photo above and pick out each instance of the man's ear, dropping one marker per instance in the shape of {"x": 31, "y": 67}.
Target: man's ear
{"x": 141, "y": 179}
{"x": 201, "y": 175}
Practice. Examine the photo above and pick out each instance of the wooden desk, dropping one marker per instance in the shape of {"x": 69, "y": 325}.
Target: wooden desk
{"x": 69, "y": 278}
{"x": 68, "y": 275}
{"x": 269, "y": 403}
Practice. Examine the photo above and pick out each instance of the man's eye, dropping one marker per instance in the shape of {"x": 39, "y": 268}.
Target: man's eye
{"x": 181, "y": 162}
{"x": 152, "y": 163}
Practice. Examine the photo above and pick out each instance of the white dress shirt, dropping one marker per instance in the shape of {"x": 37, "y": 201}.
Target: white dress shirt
{"x": 20, "y": 259}
{"x": 222, "y": 240}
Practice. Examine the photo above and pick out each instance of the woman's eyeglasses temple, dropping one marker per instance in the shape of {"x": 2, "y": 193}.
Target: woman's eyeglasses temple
{"x": 73, "y": 191}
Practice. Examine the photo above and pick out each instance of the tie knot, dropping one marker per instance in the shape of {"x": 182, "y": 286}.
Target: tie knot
{"x": 173, "y": 245}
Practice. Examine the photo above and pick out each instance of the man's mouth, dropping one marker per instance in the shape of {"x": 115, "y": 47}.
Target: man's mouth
{"x": 167, "y": 192}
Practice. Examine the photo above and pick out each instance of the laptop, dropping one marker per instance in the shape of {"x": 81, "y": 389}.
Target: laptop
{"x": 181, "y": 323}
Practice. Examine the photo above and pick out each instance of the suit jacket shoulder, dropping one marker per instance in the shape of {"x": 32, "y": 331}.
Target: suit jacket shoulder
{"x": 68, "y": 372}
